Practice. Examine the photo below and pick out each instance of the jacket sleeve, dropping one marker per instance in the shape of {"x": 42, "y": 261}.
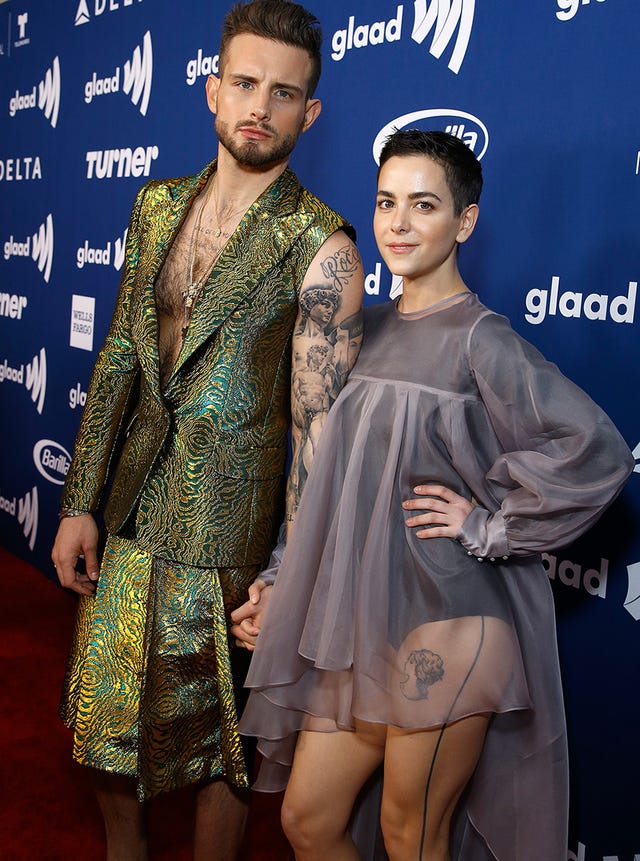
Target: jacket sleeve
{"x": 112, "y": 383}
{"x": 563, "y": 460}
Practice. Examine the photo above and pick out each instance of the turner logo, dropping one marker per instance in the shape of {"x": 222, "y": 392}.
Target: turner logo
{"x": 448, "y": 22}
{"x": 12, "y": 305}
{"x": 48, "y": 95}
{"x": 104, "y": 164}
{"x": 99, "y": 7}
{"x": 444, "y": 18}
{"x": 52, "y": 460}
{"x": 464, "y": 126}
{"x": 567, "y": 9}
{"x": 594, "y": 306}
{"x": 102, "y": 256}
{"x": 34, "y": 377}
{"x": 137, "y": 75}
{"x": 39, "y": 247}
{"x": 17, "y": 169}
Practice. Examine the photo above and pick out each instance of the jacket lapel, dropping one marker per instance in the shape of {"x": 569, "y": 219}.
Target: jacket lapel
{"x": 259, "y": 243}
{"x": 165, "y": 207}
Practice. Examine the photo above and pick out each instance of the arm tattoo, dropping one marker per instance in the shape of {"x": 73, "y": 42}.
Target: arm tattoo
{"x": 422, "y": 670}
{"x": 341, "y": 266}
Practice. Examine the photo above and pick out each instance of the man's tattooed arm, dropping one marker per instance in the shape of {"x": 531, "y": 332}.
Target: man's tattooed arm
{"x": 326, "y": 342}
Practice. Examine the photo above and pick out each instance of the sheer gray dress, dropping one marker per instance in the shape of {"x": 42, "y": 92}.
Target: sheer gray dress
{"x": 366, "y": 620}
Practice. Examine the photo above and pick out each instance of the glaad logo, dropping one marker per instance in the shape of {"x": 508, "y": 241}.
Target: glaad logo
{"x": 39, "y": 246}
{"x": 102, "y": 256}
{"x": 77, "y": 397}
{"x": 636, "y": 454}
{"x": 24, "y": 167}
{"x": 100, "y": 6}
{"x": 568, "y": 8}
{"x": 35, "y": 380}
{"x": 632, "y": 601}
{"x": 52, "y": 460}
{"x": 443, "y": 17}
{"x": 137, "y": 162}
{"x": 137, "y": 77}
{"x": 26, "y": 510}
{"x": 201, "y": 65}
{"x": 539, "y": 303}
{"x": 48, "y": 99}
{"x": 28, "y": 515}
{"x": 582, "y": 854}
{"x": 593, "y": 580}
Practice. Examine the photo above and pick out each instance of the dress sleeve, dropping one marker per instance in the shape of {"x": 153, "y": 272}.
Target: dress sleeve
{"x": 563, "y": 460}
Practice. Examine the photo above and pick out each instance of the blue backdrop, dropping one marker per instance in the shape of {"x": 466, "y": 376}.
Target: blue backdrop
{"x": 96, "y": 96}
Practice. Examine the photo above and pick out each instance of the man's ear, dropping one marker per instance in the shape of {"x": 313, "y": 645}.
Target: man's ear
{"x": 211, "y": 88}
{"x": 311, "y": 113}
{"x": 468, "y": 221}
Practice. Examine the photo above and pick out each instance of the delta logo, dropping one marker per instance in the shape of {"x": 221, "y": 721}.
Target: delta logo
{"x": 38, "y": 246}
{"x": 135, "y": 75}
{"x": 45, "y": 95}
{"x": 25, "y": 510}
{"x": 447, "y": 23}
{"x": 99, "y": 7}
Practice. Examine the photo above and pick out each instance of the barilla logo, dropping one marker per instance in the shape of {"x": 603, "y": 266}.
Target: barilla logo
{"x": 465, "y": 126}
{"x": 48, "y": 95}
{"x": 102, "y": 256}
{"x": 99, "y": 8}
{"x": 52, "y": 460}
{"x": 137, "y": 75}
{"x": 34, "y": 380}
{"x": 39, "y": 247}
{"x": 444, "y": 18}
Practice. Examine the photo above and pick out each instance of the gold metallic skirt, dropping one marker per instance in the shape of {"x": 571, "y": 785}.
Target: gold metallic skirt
{"x": 149, "y": 689}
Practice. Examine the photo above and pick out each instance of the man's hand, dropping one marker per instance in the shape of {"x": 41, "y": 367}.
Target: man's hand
{"x": 77, "y": 537}
{"x": 247, "y": 619}
{"x": 444, "y": 512}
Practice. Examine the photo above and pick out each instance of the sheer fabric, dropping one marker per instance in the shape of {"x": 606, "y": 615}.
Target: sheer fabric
{"x": 367, "y": 621}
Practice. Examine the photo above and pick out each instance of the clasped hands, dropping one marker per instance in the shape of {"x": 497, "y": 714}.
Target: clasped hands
{"x": 442, "y": 513}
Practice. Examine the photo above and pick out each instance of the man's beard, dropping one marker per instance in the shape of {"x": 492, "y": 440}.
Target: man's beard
{"x": 249, "y": 154}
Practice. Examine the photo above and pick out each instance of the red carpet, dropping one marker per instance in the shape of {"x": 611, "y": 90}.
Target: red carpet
{"x": 47, "y": 810}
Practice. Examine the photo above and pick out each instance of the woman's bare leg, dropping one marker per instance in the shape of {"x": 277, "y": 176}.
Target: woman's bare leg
{"x": 328, "y": 771}
{"x": 425, "y": 774}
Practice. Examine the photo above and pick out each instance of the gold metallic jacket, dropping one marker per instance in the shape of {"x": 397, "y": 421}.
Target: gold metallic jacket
{"x": 201, "y": 467}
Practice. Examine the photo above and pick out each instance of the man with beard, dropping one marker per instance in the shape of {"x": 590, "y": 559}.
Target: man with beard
{"x": 187, "y": 414}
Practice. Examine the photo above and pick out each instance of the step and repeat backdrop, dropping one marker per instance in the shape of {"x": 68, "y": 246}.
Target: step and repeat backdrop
{"x": 98, "y": 96}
